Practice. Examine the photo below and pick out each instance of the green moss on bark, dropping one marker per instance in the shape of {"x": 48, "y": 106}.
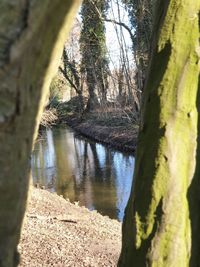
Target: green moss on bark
{"x": 156, "y": 229}
{"x": 31, "y": 44}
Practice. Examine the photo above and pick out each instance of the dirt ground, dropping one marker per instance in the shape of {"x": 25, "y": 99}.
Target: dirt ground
{"x": 58, "y": 233}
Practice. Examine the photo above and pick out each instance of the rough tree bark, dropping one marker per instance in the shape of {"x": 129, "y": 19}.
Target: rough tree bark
{"x": 32, "y": 35}
{"x": 157, "y": 226}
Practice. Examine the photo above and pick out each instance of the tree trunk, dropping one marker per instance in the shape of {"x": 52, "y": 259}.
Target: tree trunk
{"x": 32, "y": 36}
{"x": 93, "y": 50}
{"x": 92, "y": 102}
{"x": 194, "y": 200}
{"x": 156, "y": 228}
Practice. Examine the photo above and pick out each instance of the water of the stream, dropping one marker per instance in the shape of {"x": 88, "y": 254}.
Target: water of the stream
{"x": 96, "y": 176}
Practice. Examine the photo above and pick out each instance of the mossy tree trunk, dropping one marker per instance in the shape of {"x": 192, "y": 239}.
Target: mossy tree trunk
{"x": 32, "y": 35}
{"x": 93, "y": 50}
{"x": 157, "y": 226}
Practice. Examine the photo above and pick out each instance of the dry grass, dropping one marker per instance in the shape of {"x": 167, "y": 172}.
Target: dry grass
{"x": 49, "y": 118}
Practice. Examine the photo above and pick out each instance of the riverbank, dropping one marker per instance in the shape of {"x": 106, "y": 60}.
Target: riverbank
{"x": 114, "y": 127}
{"x": 59, "y": 233}
{"x": 121, "y": 137}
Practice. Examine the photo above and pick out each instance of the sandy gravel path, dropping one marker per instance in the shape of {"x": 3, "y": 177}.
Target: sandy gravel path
{"x": 58, "y": 233}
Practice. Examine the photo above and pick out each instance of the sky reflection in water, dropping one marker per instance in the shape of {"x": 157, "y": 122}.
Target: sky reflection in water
{"x": 98, "y": 177}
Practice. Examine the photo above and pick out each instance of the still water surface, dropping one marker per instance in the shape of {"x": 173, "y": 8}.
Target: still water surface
{"x": 79, "y": 169}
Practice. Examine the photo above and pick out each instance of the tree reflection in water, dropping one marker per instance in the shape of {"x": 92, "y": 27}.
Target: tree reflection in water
{"x": 98, "y": 177}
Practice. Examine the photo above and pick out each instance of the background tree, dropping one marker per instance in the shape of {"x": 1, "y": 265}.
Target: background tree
{"x": 93, "y": 49}
{"x": 73, "y": 76}
{"x": 156, "y": 228}
{"x": 122, "y": 66}
{"x": 141, "y": 19}
{"x": 129, "y": 91}
{"x": 32, "y": 36}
